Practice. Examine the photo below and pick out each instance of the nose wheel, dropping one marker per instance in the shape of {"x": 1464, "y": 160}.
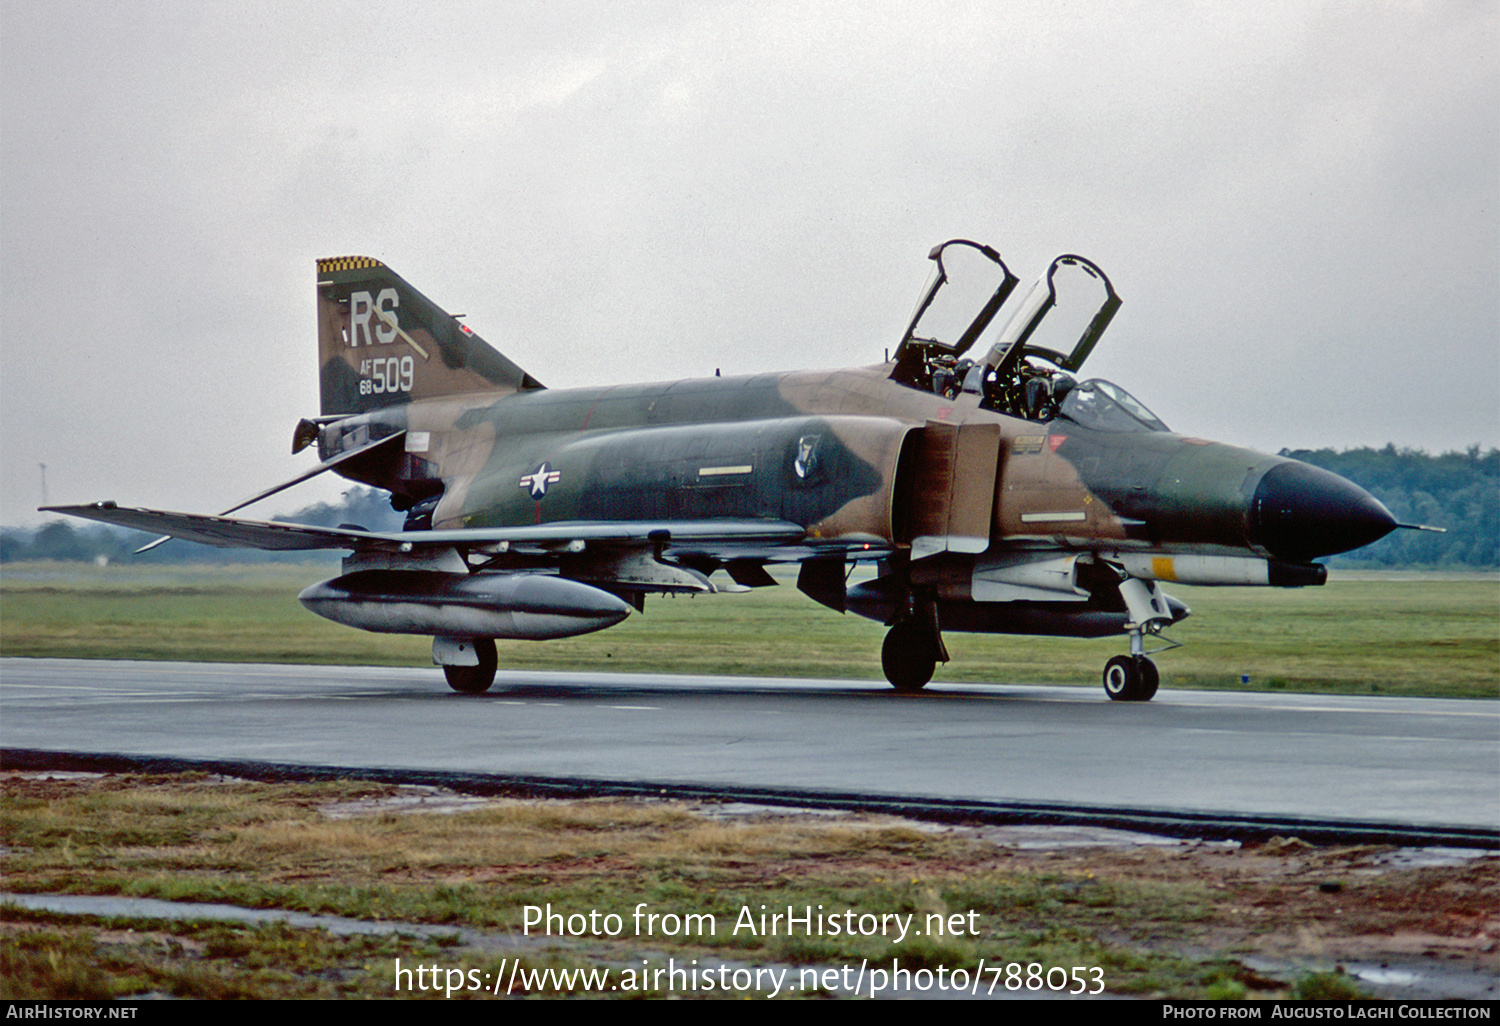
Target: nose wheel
{"x": 1131, "y": 679}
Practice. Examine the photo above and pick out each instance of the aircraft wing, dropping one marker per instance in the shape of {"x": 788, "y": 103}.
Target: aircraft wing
{"x": 232, "y": 532}
{"x": 225, "y": 532}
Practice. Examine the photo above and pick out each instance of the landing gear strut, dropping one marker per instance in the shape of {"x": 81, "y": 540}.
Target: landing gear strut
{"x": 1134, "y": 678}
{"x": 475, "y": 680}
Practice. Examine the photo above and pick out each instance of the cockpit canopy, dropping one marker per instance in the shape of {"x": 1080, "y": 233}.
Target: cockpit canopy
{"x": 1011, "y": 377}
{"x": 1104, "y": 406}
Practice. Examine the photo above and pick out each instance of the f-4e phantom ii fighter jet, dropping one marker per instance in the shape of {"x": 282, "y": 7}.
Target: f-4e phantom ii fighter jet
{"x": 993, "y": 492}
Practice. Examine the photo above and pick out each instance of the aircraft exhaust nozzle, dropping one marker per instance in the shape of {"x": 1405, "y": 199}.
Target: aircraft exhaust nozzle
{"x": 1300, "y": 512}
{"x": 533, "y": 607}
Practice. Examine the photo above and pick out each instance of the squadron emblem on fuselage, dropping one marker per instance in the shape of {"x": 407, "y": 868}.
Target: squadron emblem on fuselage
{"x": 806, "y": 463}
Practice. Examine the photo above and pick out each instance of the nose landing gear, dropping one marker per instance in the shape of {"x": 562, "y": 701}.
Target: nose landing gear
{"x": 1131, "y": 679}
{"x": 1134, "y": 678}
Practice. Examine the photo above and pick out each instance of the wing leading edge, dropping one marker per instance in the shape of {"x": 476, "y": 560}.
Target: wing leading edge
{"x": 233, "y": 532}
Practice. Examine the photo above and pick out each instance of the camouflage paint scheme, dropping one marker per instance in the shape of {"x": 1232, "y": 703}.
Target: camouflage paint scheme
{"x": 985, "y": 512}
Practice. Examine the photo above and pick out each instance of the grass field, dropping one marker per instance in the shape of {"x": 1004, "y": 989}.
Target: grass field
{"x": 1393, "y": 634}
{"x": 1168, "y": 923}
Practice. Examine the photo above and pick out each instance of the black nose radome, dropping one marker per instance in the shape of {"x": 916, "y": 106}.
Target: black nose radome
{"x": 1301, "y": 511}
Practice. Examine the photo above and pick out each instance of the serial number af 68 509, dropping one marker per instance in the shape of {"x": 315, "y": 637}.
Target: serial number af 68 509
{"x": 386, "y": 374}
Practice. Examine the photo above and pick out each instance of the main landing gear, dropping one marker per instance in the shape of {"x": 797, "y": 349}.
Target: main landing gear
{"x": 912, "y": 649}
{"x": 473, "y": 680}
{"x": 908, "y": 656}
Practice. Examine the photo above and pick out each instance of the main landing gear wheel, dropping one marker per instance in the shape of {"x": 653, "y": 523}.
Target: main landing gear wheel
{"x": 908, "y": 656}
{"x": 1130, "y": 679}
{"x": 475, "y": 680}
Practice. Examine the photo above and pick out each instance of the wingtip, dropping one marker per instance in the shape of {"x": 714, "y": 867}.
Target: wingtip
{"x": 101, "y": 504}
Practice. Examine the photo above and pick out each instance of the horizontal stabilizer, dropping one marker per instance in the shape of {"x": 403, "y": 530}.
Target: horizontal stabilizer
{"x": 311, "y": 472}
{"x": 389, "y": 441}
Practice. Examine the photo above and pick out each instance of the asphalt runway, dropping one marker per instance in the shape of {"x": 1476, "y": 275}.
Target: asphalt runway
{"x": 1389, "y": 760}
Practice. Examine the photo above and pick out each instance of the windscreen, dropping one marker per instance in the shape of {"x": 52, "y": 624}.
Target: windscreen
{"x": 1105, "y": 406}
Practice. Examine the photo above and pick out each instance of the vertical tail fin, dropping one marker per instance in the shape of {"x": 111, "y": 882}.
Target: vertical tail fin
{"x": 381, "y": 342}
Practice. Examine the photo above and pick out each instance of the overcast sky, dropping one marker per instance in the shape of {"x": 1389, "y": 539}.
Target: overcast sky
{"x": 1297, "y": 202}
